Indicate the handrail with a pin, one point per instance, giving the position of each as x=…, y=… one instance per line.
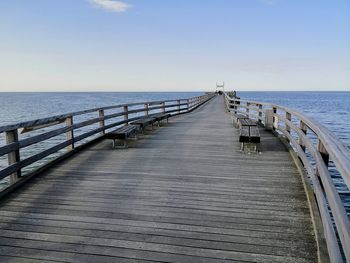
x=282, y=120
x=68, y=124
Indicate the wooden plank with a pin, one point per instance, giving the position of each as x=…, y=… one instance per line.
x=70, y=133
x=246, y=122
x=162, y=236
x=123, y=132
x=254, y=134
x=13, y=157
x=237, y=117
x=8, y=148
x=101, y=115
x=244, y=134
x=186, y=248
x=13, y=253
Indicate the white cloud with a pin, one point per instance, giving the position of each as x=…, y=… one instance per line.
x=112, y=5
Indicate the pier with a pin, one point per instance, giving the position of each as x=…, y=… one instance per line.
x=181, y=192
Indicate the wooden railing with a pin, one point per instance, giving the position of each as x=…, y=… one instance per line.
x=95, y=126
x=315, y=152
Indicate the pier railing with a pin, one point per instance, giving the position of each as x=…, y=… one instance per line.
x=302, y=132
x=70, y=132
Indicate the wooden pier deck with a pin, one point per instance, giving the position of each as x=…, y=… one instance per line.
x=182, y=193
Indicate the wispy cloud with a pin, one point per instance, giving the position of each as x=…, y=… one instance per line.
x=111, y=5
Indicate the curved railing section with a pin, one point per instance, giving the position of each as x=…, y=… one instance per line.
x=316, y=158
x=65, y=132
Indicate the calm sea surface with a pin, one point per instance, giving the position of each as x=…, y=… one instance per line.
x=329, y=108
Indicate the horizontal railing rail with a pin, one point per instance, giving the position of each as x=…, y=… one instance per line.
x=18, y=136
x=316, y=158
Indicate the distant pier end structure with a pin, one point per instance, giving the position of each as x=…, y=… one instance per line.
x=220, y=88
x=175, y=185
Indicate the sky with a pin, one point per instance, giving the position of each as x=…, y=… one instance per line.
x=174, y=45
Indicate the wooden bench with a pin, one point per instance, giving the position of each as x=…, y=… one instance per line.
x=237, y=117
x=144, y=122
x=123, y=133
x=161, y=116
x=249, y=134
x=246, y=122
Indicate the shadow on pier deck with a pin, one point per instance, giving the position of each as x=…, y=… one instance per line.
x=182, y=193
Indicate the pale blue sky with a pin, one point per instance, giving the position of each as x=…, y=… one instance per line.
x=174, y=45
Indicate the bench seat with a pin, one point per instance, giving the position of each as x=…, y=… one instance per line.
x=144, y=122
x=254, y=134
x=246, y=122
x=123, y=133
x=244, y=134
x=161, y=116
x=249, y=134
x=237, y=117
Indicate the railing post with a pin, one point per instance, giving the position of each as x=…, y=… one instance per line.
x=235, y=103
x=13, y=157
x=269, y=119
x=275, y=119
x=146, y=109
x=163, y=107
x=323, y=152
x=101, y=115
x=303, y=127
x=70, y=133
x=247, y=109
x=178, y=106
x=288, y=117
x=260, y=113
x=126, y=114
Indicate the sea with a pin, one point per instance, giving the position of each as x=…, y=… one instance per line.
x=332, y=109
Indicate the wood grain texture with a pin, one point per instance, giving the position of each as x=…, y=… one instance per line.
x=182, y=193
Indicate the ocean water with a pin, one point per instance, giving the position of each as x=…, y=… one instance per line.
x=329, y=108
x=17, y=107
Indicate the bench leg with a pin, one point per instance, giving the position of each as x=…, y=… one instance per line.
x=258, y=147
x=124, y=146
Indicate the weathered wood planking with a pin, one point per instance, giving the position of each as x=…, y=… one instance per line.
x=182, y=193
x=335, y=220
